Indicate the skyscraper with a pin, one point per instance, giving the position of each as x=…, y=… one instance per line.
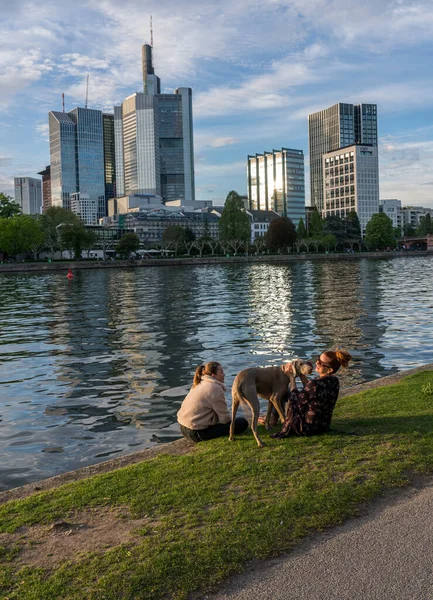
x=46, y=188
x=77, y=157
x=109, y=156
x=333, y=128
x=276, y=182
x=28, y=194
x=154, y=140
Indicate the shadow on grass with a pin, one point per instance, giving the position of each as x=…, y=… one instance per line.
x=367, y=426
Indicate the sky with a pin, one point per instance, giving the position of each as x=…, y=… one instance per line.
x=257, y=69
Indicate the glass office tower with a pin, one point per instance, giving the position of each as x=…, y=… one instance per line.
x=276, y=181
x=77, y=157
x=109, y=156
x=336, y=127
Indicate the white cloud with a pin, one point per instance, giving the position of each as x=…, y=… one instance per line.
x=43, y=130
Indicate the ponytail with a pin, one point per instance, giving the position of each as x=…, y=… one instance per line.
x=209, y=368
x=197, y=375
x=343, y=357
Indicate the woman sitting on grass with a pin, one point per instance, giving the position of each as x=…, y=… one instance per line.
x=204, y=414
x=309, y=411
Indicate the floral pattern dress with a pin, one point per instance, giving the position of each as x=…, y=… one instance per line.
x=310, y=410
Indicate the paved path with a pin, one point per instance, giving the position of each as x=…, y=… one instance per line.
x=384, y=555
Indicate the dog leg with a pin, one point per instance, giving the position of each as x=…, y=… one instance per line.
x=235, y=406
x=250, y=397
x=276, y=401
x=268, y=415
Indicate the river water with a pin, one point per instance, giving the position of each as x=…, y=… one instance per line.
x=89, y=367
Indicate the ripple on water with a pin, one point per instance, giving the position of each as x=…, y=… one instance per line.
x=99, y=366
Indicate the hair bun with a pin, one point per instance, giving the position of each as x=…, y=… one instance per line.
x=343, y=357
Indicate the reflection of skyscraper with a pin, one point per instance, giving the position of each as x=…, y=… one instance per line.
x=333, y=128
x=154, y=140
x=77, y=157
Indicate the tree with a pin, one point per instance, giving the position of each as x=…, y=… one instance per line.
x=353, y=227
x=425, y=226
x=128, y=244
x=20, y=234
x=51, y=221
x=281, y=234
x=335, y=226
x=234, y=223
x=409, y=230
x=301, y=230
x=73, y=237
x=89, y=240
x=397, y=232
x=379, y=233
x=8, y=207
x=329, y=241
x=189, y=235
x=174, y=236
x=315, y=229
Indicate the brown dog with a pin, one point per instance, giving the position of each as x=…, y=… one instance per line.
x=270, y=383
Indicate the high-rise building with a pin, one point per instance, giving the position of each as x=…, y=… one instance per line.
x=77, y=157
x=46, y=188
x=336, y=127
x=351, y=183
x=276, y=182
x=154, y=140
x=28, y=194
x=109, y=156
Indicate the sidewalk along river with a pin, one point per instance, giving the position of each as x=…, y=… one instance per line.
x=97, y=366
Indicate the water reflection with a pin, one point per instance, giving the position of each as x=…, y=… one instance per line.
x=88, y=367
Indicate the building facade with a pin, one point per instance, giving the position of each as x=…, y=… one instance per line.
x=412, y=215
x=392, y=209
x=351, y=183
x=28, y=194
x=276, y=182
x=85, y=207
x=337, y=127
x=109, y=156
x=46, y=188
x=77, y=157
x=154, y=140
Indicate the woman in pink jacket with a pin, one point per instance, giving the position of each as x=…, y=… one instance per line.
x=204, y=414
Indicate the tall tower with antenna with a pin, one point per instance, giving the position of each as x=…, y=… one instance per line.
x=151, y=83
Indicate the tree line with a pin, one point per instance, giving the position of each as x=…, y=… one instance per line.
x=59, y=229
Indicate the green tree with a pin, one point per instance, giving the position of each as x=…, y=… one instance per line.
x=8, y=207
x=234, y=223
x=89, y=240
x=52, y=220
x=397, y=232
x=301, y=230
x=73, y=236
x=329, y=241
x=425, y=226
x=379, y=233
x=128, y=244
x=335, y=226
x=189, y=235
x=20, y=234
x=409, y=230
x=174, y=236
x=353, y=227
x=315, y=229
x=281, y=234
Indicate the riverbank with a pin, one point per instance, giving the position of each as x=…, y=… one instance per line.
x=173, y=525
x=206, y=260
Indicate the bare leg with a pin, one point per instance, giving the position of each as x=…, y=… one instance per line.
x=235, y=406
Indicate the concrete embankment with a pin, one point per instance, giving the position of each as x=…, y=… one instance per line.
x=207, y=260
x=175, y=448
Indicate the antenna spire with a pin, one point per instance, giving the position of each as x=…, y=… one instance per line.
x=87, y=91
x=151, y=32
x=63, y=102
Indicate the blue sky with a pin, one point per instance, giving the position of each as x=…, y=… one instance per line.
x=257, y=69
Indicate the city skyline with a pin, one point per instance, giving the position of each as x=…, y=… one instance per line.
x=257, y=71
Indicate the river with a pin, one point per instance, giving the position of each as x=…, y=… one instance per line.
x=89, y=367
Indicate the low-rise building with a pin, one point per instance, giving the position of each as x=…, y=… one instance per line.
x=413, y=214
x=392, y=209
x=85, y=207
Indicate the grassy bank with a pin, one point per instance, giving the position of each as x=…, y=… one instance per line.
x=173, y=525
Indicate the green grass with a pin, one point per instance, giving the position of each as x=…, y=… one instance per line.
x=210, y=512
